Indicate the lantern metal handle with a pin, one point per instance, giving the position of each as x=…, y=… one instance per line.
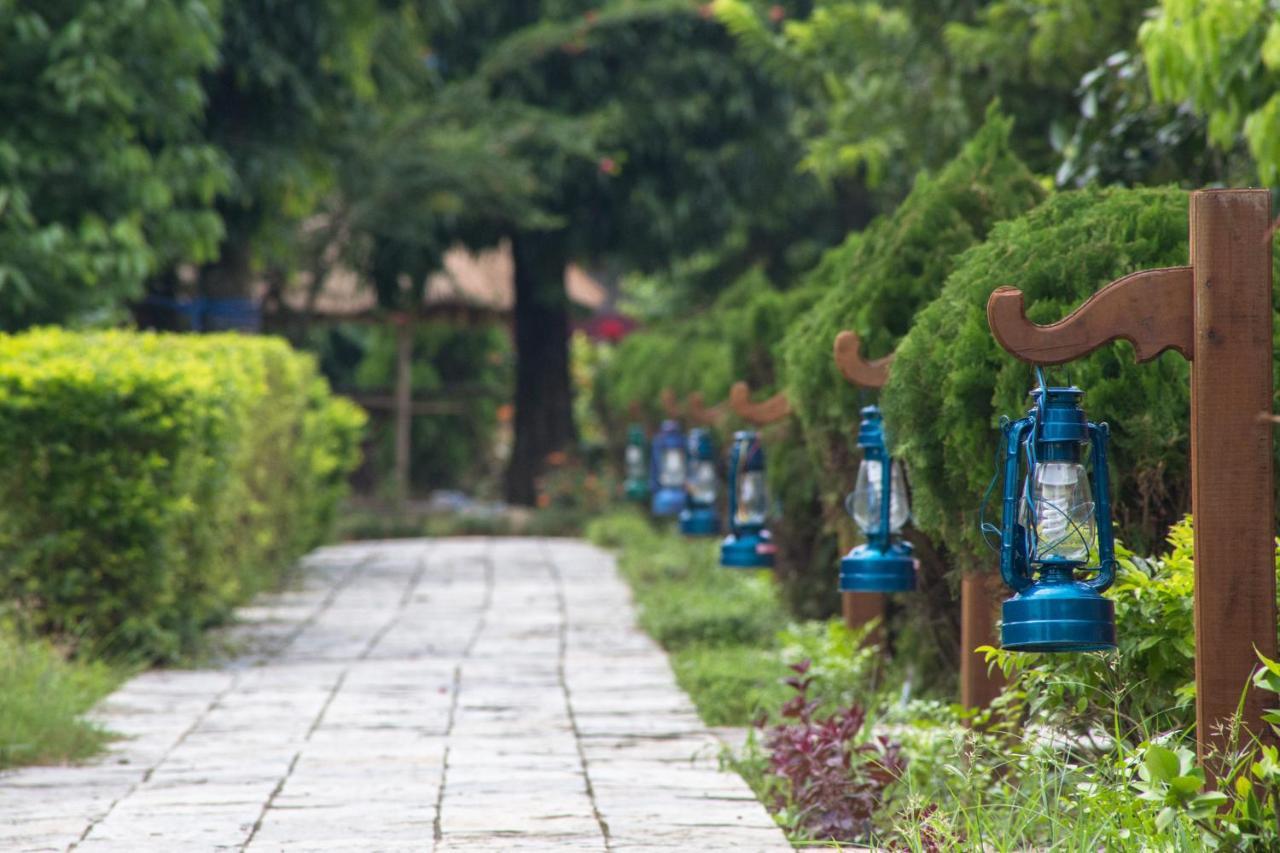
x=1099, y=435
x=735, y=459
x=1013, y=549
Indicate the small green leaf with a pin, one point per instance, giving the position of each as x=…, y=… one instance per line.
x=1161, y=763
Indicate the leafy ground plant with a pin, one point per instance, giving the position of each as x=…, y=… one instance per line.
x=826, y=776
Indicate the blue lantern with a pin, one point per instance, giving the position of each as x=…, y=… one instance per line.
x=636, y=487
x=1056, y=547
x=748, y=545
x=878, y=504
x=698, y=518
x=667, y=465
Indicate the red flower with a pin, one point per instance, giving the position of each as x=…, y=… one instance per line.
x=777, y=13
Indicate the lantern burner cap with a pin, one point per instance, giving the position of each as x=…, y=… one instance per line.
x=869, y=568
x=699, y=521
x=1063, y=616
x=748, y=550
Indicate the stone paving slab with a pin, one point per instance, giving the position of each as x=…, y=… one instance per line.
x=441, y=695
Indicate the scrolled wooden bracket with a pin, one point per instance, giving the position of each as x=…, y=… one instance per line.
x=768, y=411
x=670, y=405
x=847, y=352
x=703, y=415
x=1151, y=309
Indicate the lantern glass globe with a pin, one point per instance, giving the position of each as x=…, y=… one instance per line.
x=635, y=462
x=702, y=482
x=671, y=471
x=863, y=503
x=1059, y=494
x=753, y=499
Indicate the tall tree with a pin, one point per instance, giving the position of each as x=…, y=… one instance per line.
x=290, y=76
x=685, y=151
x=105, y=177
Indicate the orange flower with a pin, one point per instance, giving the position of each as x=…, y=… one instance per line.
x=556, y=458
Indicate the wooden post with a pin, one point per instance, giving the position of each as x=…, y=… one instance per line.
x=1217, y=313
x=1231, y=463
x=403, y=405
x=979, y=598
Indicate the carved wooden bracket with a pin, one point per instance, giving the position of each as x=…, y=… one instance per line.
x=1217, y=313
x=774, y=409
x=1151, y=309
x=703, y=415
x=670, y=405
x=857, y=370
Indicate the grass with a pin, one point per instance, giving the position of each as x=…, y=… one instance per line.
x=43, y=697
x=720, y=626
x=991, y=786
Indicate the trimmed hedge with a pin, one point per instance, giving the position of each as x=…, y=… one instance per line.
x=150, y=482
x=951, y=381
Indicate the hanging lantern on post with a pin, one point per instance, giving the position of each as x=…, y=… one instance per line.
x=636, y=486
x=748, y=545
x=1053, y=531
x=698, y=518
x=878, y=504
x=667, y=465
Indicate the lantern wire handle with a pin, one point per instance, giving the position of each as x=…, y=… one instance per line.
x=986, y=527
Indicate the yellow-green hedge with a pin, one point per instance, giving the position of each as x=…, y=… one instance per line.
x=149, y=482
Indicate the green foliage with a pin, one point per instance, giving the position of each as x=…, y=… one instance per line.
x=1223, y=58
x=875, y=96
x=151, y=482
x=104, y=176
x=42, y=698
x=1032, y=54
x=951, y=381
x=289, y=79
x=877, y=282
x=1149, y=685
x=472, y=367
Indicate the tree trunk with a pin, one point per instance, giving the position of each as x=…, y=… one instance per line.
x=544, y=399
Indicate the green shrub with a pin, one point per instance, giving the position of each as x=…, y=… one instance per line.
x=150, y=482
x=1149, y=684
x=876, y=282
x=951, y=381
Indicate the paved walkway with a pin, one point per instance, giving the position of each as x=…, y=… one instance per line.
x=461, y=694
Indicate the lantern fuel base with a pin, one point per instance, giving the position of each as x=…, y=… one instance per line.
x=699, y=518
x=667, y=464
x=748, y=545
x=636, y=486
x=1051, y=528
x=878, y=503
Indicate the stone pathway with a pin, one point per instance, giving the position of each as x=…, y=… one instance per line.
x=427, y=695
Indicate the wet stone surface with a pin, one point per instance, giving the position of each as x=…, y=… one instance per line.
x=459, y=694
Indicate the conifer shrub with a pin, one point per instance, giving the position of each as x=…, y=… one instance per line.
x=952, y=382
x=876, y=282
x=148, y=482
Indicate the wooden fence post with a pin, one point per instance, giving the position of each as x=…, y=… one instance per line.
x=403, y=405
x=1217, y=313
